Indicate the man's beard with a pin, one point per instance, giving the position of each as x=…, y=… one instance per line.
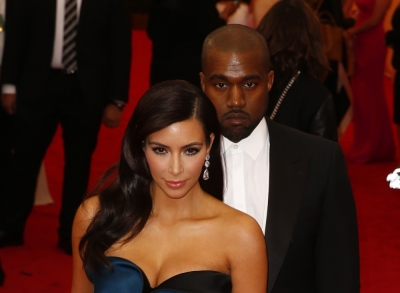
x=239, y=132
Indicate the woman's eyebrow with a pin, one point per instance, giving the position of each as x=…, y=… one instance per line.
x=185, y=146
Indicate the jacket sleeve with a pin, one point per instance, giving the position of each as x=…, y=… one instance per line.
x=324, y=121
x=337, y=247
x=15, y=41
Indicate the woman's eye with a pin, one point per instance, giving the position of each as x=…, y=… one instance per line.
x=159, y=151
x=191, y=151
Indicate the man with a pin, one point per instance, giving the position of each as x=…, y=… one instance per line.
x=295, y=185
x=65, y=62
x=5, y=120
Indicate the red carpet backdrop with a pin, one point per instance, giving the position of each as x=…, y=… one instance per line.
x=39, y=267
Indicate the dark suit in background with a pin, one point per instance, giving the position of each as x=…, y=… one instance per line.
x=48, y=97
x=6, y=123
x=177, y=29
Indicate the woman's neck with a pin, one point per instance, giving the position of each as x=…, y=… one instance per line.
x=174, y=209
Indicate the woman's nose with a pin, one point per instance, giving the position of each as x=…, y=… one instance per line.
x=175, y=166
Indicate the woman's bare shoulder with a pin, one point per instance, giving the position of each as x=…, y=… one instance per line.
x=243, y=225
x=238, y=224
x=88, y=209
x=245, y=249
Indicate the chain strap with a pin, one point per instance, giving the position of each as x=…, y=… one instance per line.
x=288, y=86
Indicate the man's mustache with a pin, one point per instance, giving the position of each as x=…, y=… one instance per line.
x=235, y=112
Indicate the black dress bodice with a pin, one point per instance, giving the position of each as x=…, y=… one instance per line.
x=127, y=277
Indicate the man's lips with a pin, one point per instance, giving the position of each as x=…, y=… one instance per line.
x=175, y=184
x=236, y=118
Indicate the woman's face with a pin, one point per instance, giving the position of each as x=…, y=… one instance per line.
x=176, y=155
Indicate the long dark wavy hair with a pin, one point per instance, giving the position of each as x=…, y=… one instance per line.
x=126, y=203
x=293, y=34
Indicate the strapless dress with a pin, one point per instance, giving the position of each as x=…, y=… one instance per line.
x=129, y=278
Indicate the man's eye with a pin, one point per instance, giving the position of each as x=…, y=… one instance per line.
x=191, y=151
x=159, y=151
x=220, y=85
x=250, y=84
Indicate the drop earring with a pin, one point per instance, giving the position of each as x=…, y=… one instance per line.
x=206, y=174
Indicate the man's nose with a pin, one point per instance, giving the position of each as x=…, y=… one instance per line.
x=175, y=166
x=236, y=98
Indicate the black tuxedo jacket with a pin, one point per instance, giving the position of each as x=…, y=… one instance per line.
x=103, y=49
x=311, y=231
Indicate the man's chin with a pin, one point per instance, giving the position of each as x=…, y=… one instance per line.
x=236, y=134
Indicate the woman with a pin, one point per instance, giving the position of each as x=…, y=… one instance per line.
x=373, y=138
x=298, y=99
x=161, y=224
x=393, y=41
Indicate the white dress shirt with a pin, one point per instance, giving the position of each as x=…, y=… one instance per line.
x=247, y=173
x=56, y=61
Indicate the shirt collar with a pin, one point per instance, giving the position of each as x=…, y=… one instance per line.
x=254, y=143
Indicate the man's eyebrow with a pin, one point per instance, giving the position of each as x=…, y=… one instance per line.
x=250, y=77
x=218, y=76
x=225, y=78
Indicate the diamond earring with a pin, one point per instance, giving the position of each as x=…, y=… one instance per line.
x=206, y=174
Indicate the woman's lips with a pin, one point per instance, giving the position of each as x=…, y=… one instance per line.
x=175, y=184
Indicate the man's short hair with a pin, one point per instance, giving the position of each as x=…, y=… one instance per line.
x=236, y=38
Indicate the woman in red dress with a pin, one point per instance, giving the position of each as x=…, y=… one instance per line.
x=373, y=137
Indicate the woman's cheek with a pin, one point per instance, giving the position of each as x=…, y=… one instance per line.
x=197, y=166
x=155, y=163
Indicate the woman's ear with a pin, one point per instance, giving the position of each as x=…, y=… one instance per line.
x=212, y=136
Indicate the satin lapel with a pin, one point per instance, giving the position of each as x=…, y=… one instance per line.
x=85, y=11
x=287, y=185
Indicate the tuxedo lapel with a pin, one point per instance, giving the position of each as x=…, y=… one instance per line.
x=85, y=8
x=287, y=184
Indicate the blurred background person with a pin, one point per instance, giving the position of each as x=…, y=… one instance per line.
x=393, y=41
x=241, y=14
x=2, y=23
x=298, y=98
x=52, y=75
x=259, y=9
x=5, y=121
x=373, y=137
x=177, y=29
x=337, y=81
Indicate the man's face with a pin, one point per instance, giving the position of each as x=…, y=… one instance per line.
x=238, y=86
